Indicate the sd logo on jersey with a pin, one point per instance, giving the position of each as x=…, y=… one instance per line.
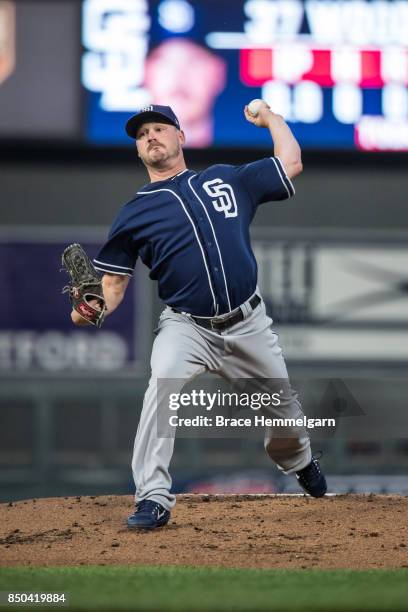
x=225, y=198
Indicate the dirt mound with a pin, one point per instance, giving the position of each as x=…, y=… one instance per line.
x=347, y=531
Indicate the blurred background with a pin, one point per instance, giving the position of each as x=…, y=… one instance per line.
x=333, y=261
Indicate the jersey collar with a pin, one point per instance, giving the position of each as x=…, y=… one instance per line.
x=171, y=178
x=179, y=174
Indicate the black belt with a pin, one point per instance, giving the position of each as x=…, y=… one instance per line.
x=218, y=325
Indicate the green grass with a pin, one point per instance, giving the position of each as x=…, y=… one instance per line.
x=196, y=589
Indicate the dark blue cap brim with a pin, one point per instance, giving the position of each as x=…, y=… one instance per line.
x=136, y=121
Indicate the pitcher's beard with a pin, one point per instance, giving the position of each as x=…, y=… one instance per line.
x=162, y=160
x=158, y=159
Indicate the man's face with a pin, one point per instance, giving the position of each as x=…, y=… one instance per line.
x=182, y=74
x=159, y=144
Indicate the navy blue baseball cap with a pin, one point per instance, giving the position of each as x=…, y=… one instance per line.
x=154, y=112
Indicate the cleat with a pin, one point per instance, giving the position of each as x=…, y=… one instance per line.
x=312, y=479
x=148, y=515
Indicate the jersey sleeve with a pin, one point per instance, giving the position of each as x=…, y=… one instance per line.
x=266, y=180
x=118, y=255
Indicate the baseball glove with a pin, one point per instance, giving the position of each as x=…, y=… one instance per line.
x=85, y=286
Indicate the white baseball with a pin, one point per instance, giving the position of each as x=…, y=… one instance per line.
x=255, y=106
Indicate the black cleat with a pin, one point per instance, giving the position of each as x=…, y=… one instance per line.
x=312, y=479
x=148, y=515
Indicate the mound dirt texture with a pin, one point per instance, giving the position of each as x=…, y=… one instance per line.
x=347, y=531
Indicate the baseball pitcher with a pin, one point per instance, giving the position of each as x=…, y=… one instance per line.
x=192, y=231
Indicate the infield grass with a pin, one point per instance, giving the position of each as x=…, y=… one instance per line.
x=186, y=589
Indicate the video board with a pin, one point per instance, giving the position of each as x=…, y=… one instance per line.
x=336, y=70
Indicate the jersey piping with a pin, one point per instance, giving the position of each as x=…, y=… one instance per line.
x=196, y=235
x=179, y=174
x=104, y=263
x=112, y=272
x=282, y=174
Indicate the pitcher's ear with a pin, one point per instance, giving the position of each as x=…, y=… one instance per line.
x=182, y=137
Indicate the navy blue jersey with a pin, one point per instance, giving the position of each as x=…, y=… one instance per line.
x=192, y=232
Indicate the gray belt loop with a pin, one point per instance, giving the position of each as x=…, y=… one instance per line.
x=246, y=309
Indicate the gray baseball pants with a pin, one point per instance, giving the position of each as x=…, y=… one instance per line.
x=181, y=351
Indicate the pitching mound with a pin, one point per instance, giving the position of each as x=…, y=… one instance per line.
x=347, y=531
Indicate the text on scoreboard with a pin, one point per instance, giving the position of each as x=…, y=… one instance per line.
x=336, y=70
